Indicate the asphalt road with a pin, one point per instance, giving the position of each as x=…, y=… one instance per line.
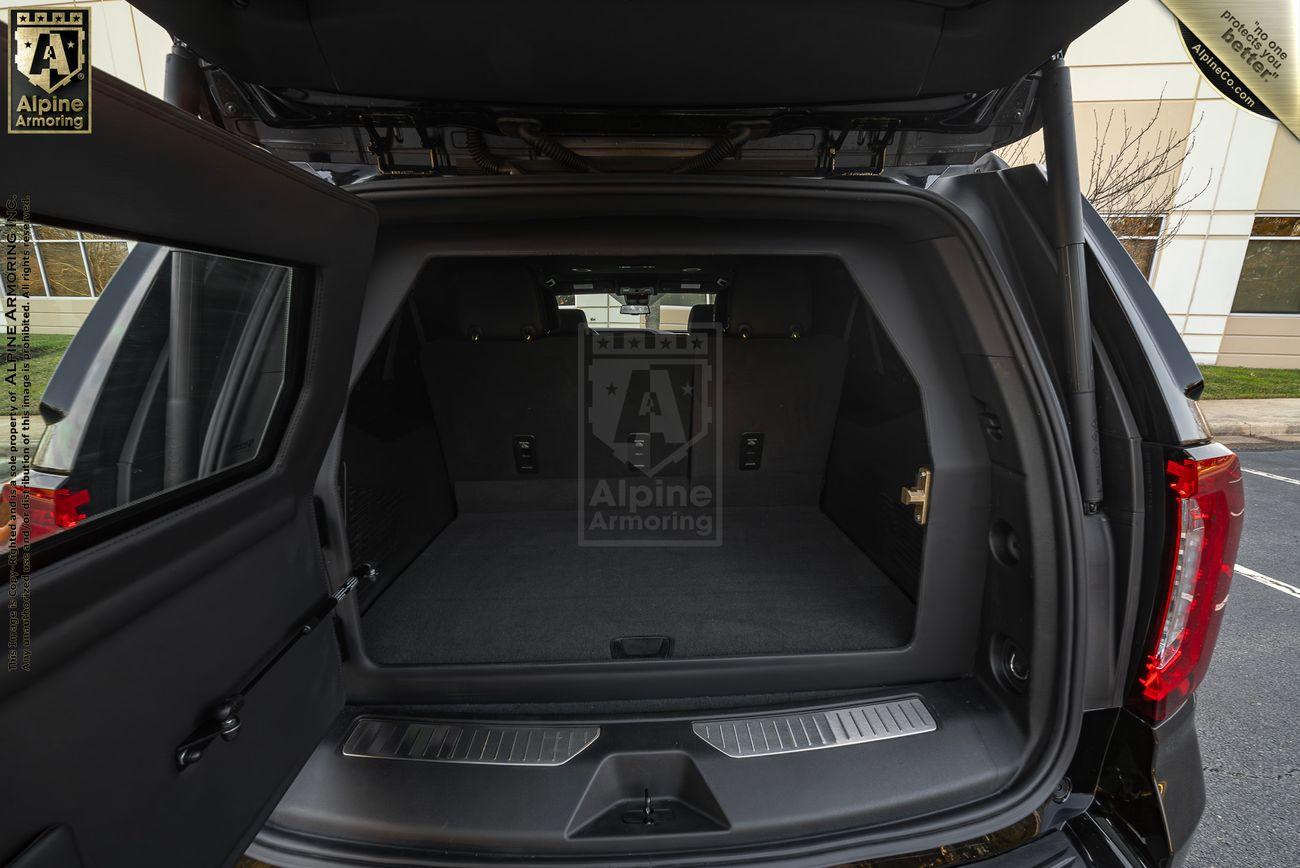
x=1248, y=708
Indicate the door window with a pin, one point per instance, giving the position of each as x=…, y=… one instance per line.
x=175, y=372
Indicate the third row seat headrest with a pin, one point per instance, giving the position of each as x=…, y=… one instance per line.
x=497, y=301
x=702, y=317
x=572, y=320
x=769, y=299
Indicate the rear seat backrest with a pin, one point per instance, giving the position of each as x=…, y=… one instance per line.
x=780, y=379
x=503, y=376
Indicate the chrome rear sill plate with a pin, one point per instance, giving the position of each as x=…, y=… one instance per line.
x=745, y=737
x=482, y=744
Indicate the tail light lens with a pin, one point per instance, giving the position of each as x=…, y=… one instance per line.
x=1207, y=512
x=39, y=512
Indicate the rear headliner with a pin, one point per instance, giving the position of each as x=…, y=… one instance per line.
x=630, y=53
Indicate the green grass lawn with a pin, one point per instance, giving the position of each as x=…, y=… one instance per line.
x=46, y=352
x=1226, y=382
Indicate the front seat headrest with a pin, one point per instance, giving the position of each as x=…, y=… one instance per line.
x=573, y=320
x=702, y=317
x=769, y=299
x=497, y=301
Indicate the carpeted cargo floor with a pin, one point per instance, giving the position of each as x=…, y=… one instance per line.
x=517, y=587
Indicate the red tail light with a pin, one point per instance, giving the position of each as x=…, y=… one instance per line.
x=1207, y=513
x=40, y=511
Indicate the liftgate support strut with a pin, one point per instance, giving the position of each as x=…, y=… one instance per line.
x=1067, y=207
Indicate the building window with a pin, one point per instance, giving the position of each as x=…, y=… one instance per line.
x=72, y=264
x=1270, y=276
x=1140, y=236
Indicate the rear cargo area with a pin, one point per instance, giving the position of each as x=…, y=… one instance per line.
x=686, y=609
x=791, y=434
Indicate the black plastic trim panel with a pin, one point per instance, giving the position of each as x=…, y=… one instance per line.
x=788, y=808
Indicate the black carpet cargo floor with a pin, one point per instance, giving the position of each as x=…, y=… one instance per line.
x=517, y=587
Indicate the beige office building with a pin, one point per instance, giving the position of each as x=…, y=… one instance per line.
x=1228, y=265
x=1225, y=264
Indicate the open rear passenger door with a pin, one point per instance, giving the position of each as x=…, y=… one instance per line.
x=172, y=683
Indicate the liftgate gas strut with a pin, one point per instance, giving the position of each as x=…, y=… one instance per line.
x=1067, y=207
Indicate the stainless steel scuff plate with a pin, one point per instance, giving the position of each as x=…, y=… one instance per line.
x=815, y=730
x=482, y=744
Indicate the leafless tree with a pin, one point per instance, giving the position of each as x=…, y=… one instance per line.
x=1135, y=177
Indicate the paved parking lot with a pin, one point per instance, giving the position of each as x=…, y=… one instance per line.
x=1248, y=709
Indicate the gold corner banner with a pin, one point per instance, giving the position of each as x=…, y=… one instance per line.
x=1247, y=50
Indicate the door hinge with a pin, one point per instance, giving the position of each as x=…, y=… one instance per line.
x=918, y=496
x=223, y=721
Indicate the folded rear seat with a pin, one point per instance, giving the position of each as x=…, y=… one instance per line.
x=505, y=392
x=776, y=404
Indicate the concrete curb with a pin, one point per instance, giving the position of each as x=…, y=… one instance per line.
x=1253, y=429
x=1252, y=417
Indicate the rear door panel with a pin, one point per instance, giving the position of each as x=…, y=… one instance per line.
x=141, y=624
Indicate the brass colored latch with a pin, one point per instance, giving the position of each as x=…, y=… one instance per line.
x=918, y=497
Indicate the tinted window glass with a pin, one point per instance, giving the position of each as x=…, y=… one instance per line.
x=668, y=310
x=1270, y=274
x=1140, y=236
x=177, y=378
